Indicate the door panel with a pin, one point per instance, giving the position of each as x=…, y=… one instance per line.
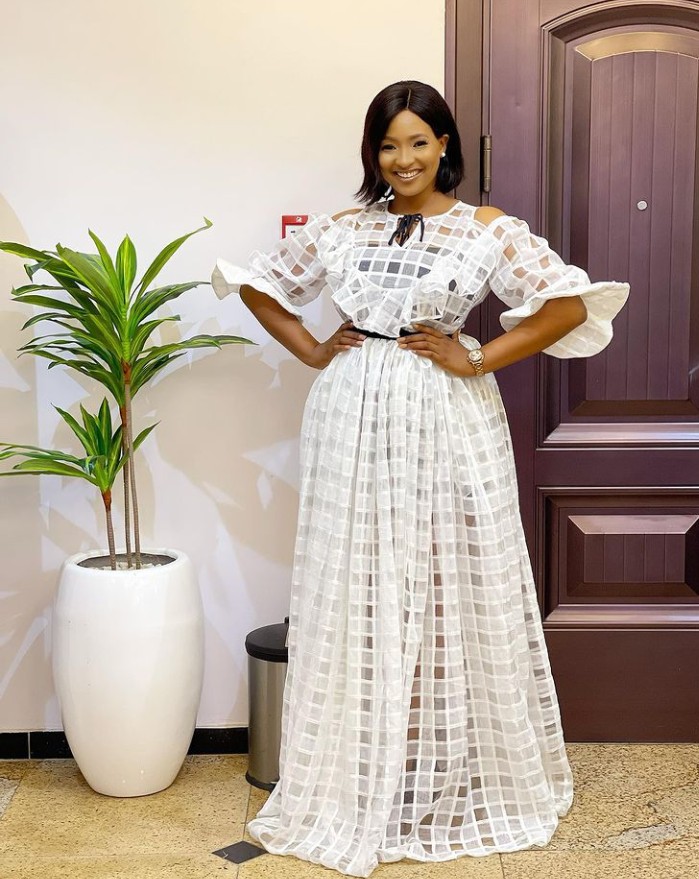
x=593, y=116
x=630, y=155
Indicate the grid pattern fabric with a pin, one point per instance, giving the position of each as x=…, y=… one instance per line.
x=420, y=717
x=435, y=280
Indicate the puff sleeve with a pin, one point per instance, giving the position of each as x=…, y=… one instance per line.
x=292, y=273
x=527, y=272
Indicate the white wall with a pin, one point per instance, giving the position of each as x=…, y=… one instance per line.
x=143, y=118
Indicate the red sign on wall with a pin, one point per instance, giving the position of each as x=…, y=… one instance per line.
x=291, y=223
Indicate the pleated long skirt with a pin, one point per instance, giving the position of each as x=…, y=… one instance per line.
x=420, y=717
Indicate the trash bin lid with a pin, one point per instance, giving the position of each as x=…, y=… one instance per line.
x=268, y=643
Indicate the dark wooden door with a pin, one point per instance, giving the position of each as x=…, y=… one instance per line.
x=592, y=110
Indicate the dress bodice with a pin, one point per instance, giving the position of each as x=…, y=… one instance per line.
x=436, y=277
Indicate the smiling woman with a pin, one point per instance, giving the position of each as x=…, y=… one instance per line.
x=411, y=145
x=420, y=717
x=410, y=157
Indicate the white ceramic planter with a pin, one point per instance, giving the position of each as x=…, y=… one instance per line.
x=128, y=663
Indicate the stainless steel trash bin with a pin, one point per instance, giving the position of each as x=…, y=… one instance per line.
x=267, y=664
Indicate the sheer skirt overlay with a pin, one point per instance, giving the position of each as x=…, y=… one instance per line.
x=420, y=717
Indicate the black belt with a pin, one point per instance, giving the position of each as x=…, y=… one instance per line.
x=403, y=332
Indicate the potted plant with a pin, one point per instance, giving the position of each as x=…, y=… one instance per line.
x=128, y=643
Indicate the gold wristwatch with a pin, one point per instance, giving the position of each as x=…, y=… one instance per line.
x=476, y=358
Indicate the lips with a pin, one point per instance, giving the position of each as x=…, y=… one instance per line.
x=411, y=175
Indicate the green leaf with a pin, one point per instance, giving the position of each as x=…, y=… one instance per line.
x=59, y=344
x=92, y=429
x=36, y=452
x=100, y=343
x=83, y=298
x=107, y=263
x=102, y=447
x=32, y=288
x=58, y=270
x=201, y=341
x=46, y=468
x=79, y=431
x=85, y=367
x=90, y=271
x=158, y=357
x=144, y=332
x=22, y=250
x=233, y=340
x=143, y=434
x=146, y=303
x=104, y=418
x=165, y=255
x=136, y=443
x=126, y=265
x=38, y=318
x=142, y=374
x=115, y=454
x=48, y=302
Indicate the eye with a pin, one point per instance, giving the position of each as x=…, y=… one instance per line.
x=387, y=146
x=421, y=143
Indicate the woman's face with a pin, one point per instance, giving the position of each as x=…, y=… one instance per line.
x=409, y=155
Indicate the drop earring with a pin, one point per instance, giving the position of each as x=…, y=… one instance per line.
x=388, y=191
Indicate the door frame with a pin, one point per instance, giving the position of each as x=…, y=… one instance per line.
x=465, y=23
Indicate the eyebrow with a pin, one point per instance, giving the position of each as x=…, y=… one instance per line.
x=412, y=136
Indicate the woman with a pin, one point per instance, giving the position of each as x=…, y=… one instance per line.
x=420, y=718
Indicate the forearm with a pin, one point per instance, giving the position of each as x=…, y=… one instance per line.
x=555, y=319
x=285, y=327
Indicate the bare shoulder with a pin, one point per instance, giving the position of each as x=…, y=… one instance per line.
x=346, y=213
x=487, y=213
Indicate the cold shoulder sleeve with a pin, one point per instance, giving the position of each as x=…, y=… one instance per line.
x=292, y=273
x=527, y=273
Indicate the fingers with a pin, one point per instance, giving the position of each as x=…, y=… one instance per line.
x=430, y=331
x=425, y=340
x=424, y=332
x=356, y=338
x=346, y=339
x=420, y=340
x=344, y=332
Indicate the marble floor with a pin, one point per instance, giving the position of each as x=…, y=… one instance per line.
x=635, y=815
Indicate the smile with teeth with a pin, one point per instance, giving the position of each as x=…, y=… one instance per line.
x=407, y=175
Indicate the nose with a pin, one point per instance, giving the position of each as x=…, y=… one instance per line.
x=404, y=159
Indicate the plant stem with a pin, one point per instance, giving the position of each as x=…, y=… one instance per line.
x=127, y=501
x=126, y=367
x=107, y=498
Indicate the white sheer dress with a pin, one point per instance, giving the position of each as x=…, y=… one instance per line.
x=420, y=717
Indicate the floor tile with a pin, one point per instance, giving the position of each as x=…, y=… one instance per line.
x=55, y=813
x=629, y=797
x=637, y=768
x=269, y=866
x=635, y=814
x=658, y=862
x=11, y=773
x=256, y=801
x=123, y=867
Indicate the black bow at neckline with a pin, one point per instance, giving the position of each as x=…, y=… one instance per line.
x=405, y=224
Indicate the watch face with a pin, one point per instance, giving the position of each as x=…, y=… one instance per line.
x=475, y=356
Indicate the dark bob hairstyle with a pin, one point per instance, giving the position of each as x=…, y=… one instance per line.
x=426, y=102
